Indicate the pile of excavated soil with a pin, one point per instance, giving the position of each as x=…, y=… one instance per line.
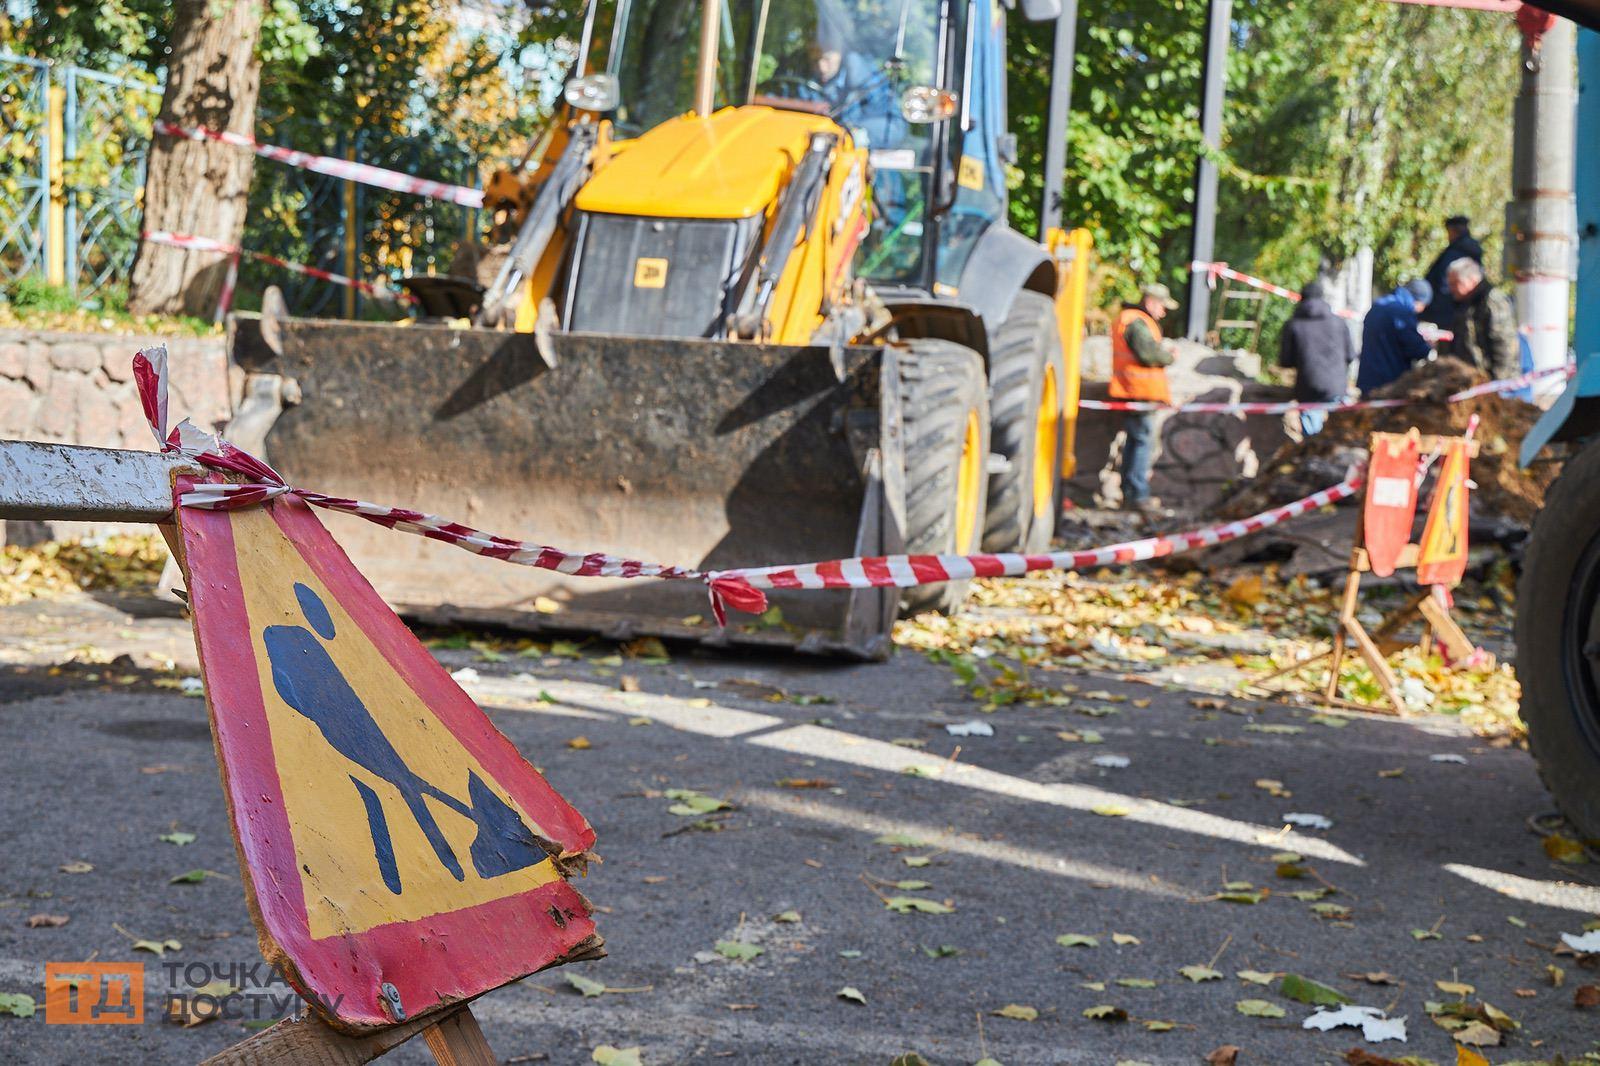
x=1504, y=490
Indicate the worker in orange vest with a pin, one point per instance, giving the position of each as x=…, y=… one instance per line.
x=1138, y=372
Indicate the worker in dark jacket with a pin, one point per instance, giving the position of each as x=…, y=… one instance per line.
x=1390, y=342
x=1316, y=345
x=1463, y=245
x=1486, y=323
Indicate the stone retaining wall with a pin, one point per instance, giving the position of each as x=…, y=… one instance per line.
x=77, y=388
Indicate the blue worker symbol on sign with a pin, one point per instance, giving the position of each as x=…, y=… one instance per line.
x=309, y=681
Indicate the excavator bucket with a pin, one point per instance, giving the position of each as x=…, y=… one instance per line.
x=703, y=454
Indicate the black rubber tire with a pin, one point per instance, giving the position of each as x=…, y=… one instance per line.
x=1027, y=344
x=940, y=383
x=1557, y=599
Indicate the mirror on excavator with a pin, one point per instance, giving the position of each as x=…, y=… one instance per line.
x=753, y=299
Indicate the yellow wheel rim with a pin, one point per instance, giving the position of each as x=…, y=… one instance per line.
x=969, y=484
x=1047, y=438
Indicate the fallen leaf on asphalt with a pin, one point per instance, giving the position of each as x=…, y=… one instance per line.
x=1358, y=1056
x=1109, y=811
x=849, y=953
x=1156, y=1025
x=1093, y=986
x=1465, y=1056
x=1332, y=911
x=198, y=1005
x=178, y=838
x=16, y=1004
x=910, y=1058
x=1241, y=896
x=628, y=683
x=1310, y=895
x=1524, y=993
x=1077, y=940
x=1105, y=1012
x=1374, y=1024
x=1332, y=721
x=1398, y=771
x=1124, y=938
x=1586, y=996
x=915, y=861
x=804, y=782
x=1016, y=1011
x=1306, y=990
x=643, y=648
x=654, y=879
x=1208, y=703
x=900, y=840
x=743, y=1006
x=1564, y=849
x=47, y=921
x=606, y=1055
x=1454, y=988
x=194, y=877
x=1200, y=973
x=1136, y=982
x=907, y=904
x=1374, y=977
x=1246, y=591
x=1257, y=977
x=852, y=994
x=76, y=867
x=157, y=947
x=974, y=728
x=579, y=744
x=943, y=951
x=1226, y=1055
x=1273, y=787
x=1258, y=1008
x=690, y=804
x=911, y=886
x=1518, y=922
x=738, y=950
x=1477, y=1034
x=590, y=988
x=1424, y=934
x=1555, y=975
x=1308, y=821
x=1275, y=728
x=787, y=916
x=641, y=721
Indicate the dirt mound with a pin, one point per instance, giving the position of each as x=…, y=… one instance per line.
x=1504, y=490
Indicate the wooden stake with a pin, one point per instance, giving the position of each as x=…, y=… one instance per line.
x=457, y=1041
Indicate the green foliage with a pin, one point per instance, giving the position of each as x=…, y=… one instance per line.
x=1346, y=125
x=31, y=293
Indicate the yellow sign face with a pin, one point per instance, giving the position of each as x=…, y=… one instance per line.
x=388, y=811
x=649, y=273
x=970, y=174
x=1442, y=559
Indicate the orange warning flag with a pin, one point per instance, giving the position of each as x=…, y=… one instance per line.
x=1443, y=559
x=1391, y=502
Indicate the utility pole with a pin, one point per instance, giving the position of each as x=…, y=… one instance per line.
x=1203, y=239
x=1539, y=220
x=1063, y=62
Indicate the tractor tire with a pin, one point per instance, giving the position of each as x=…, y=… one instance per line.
x=1026, y=377
x=944, y=404
x=1558, y=641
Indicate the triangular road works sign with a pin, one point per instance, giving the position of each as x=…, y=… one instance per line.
x=399, y=854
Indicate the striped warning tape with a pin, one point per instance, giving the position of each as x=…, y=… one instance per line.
x=740, y=588
x=348, y=169
x=193, y=243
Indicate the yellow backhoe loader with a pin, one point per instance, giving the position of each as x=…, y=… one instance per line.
x=755, y=302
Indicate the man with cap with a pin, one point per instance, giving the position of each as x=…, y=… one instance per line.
x=1390, y=342
x=1138, y=372
x=1441, y=311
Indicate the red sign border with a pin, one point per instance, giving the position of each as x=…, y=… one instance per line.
x=432, y=962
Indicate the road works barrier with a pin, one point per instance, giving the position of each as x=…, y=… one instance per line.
x=1504, y=385
x=348, y=169
x=192, y=243
x=740, y=588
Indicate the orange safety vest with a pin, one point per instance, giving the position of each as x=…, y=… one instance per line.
x=1131, y=379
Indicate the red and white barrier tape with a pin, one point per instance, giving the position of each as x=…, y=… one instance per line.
x=1285, y=406
x=193, y=243
x=740, y=588
x=347, y=169
x=1214, y=271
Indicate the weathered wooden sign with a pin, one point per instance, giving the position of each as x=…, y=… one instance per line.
x=1442, y=555
x=1391, y=498
x=399, y=854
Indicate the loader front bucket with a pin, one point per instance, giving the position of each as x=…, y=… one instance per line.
x=696, y=453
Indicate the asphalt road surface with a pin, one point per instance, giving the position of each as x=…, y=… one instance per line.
x=95, y=770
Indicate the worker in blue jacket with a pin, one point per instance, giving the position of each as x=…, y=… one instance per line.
x=1390, y=343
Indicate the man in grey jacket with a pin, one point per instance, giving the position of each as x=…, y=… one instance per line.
x=1316, y=345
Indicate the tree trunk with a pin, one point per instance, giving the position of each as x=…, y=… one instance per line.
x=199, y=187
